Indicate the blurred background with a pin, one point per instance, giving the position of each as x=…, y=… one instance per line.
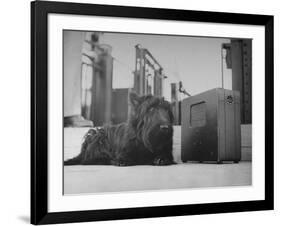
x=101, y=68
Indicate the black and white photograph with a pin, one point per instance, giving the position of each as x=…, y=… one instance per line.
x=150, y=112
x=140, y=112
x=132, y=112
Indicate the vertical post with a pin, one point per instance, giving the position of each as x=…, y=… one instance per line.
x=143, y=79
x=108, y=87
x=237, y=71
x=137, y=71
x=103, y=91
x=175, y=102
x=241, y=55
x=247, y=79
x=158, y=80
x=140, y=79
x=222, y=75
x=155, y=83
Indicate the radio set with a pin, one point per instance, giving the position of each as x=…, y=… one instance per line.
x=211, y=127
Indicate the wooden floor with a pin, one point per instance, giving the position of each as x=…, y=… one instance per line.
x=91, y=179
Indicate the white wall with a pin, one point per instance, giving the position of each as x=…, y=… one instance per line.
x=14, y=114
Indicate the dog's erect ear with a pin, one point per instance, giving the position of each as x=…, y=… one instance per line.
x=134, y=99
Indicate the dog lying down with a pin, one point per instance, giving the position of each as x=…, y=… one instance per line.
x=145, y=139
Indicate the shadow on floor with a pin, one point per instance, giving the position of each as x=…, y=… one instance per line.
x=25, y=219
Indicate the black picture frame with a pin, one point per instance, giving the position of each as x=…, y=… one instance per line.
x=39, y=112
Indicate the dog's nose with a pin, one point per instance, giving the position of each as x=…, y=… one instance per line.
x=164, y=127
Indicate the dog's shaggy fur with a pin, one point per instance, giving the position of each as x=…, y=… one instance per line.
x=147, y=137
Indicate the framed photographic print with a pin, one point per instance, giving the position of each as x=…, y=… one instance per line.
x=144, y=112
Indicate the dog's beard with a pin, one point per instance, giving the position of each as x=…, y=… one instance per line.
x=154, y=140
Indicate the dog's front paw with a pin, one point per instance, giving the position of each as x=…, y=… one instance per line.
x=163, y=161
x=121, y=163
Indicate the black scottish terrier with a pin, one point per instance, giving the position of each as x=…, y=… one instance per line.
x=147, y=137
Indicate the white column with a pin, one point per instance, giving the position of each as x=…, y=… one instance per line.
x=72, y=58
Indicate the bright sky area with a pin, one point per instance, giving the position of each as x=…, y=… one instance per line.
x=196, y=61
